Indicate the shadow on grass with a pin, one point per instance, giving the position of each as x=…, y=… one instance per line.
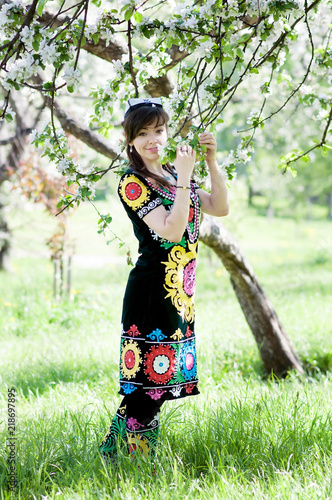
x=38, y=379
x=255, y=436
x=317, y=363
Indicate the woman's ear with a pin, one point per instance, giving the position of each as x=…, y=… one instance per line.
x=128, y=143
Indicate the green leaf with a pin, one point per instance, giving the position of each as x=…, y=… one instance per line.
x=128, y=14
x=306, y=158
x=95, y=38
x=239, y=53
x=8, y=117
x=172, y=155
x=70, y=89
x=40, y=7
x=138, y=17
x=35, y=45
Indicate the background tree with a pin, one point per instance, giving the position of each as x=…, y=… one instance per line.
x=202, y=56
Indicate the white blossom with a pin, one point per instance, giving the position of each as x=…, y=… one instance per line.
x=27, y=35
x=184, y=8
x=72, y=77
x=204, y=48
x=118, y=146
x=161, y=150
x=11, y=113
x=33, y=136
x=4, y=19
x=63, y=165
x=47, y=51
x=322, y=115
x=254, y=114
x=243, y=155
x=20, y=70
x=205, y=10
x=118, y=67
x=305, y=90
x=108, y=35
x=190, y=22
x=229, y=160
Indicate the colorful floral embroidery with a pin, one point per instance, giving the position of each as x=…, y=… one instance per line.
x=180, y=280
x=191, y=214
x=189, y=333
x=156, y=393
x=189, y=388
x=188, y=364
x=128, y=388
x=157, y=335
x=158, y=354
x=176, y=391
x=155, y=422
x=194, y=210
x=160, y=364
x=137, y=442
x=133, y=331
x=177, y=335
x=130, y=359
x=133, y=191
x=133, y=424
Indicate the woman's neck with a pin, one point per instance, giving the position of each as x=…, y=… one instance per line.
x=155, y=168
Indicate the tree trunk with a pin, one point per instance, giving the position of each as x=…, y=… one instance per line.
x=275, y=347
x=250, y=195
x=329, y=216
x=5, y=238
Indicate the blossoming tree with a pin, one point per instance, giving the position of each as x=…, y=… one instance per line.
x=201, y=56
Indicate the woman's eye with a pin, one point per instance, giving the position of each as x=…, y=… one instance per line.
x=160, y=131
x=142, y=133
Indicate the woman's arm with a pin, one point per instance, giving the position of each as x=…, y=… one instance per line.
x=214, y=203
x=171, y=225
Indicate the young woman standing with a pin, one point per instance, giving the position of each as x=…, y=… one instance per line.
x=158, y=358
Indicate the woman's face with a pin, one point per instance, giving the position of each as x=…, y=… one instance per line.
x=147, y=141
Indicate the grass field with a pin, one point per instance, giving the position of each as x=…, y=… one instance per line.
x=244, y=436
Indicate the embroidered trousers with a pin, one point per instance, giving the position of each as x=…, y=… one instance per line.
x=135, y=425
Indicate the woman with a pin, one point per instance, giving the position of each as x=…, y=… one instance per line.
x=158, y=352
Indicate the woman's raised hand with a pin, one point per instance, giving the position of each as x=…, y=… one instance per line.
x=184, y=161
x=207, y=139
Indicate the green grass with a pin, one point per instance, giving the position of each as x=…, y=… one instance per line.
x=244, y=436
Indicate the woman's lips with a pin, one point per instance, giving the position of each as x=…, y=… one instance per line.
x=153, y=150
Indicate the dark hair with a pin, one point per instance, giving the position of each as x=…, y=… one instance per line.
x=132, y=125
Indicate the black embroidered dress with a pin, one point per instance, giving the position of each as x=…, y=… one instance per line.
x=158, y=349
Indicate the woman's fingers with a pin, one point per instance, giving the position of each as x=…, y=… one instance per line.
x=186, y=151
x=208, y=140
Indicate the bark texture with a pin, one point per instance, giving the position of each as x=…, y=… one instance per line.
x=84, y=134
x=5, y=236
x=275, y=347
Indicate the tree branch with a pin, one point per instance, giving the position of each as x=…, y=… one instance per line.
x=71, y=126
x=26, y=22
